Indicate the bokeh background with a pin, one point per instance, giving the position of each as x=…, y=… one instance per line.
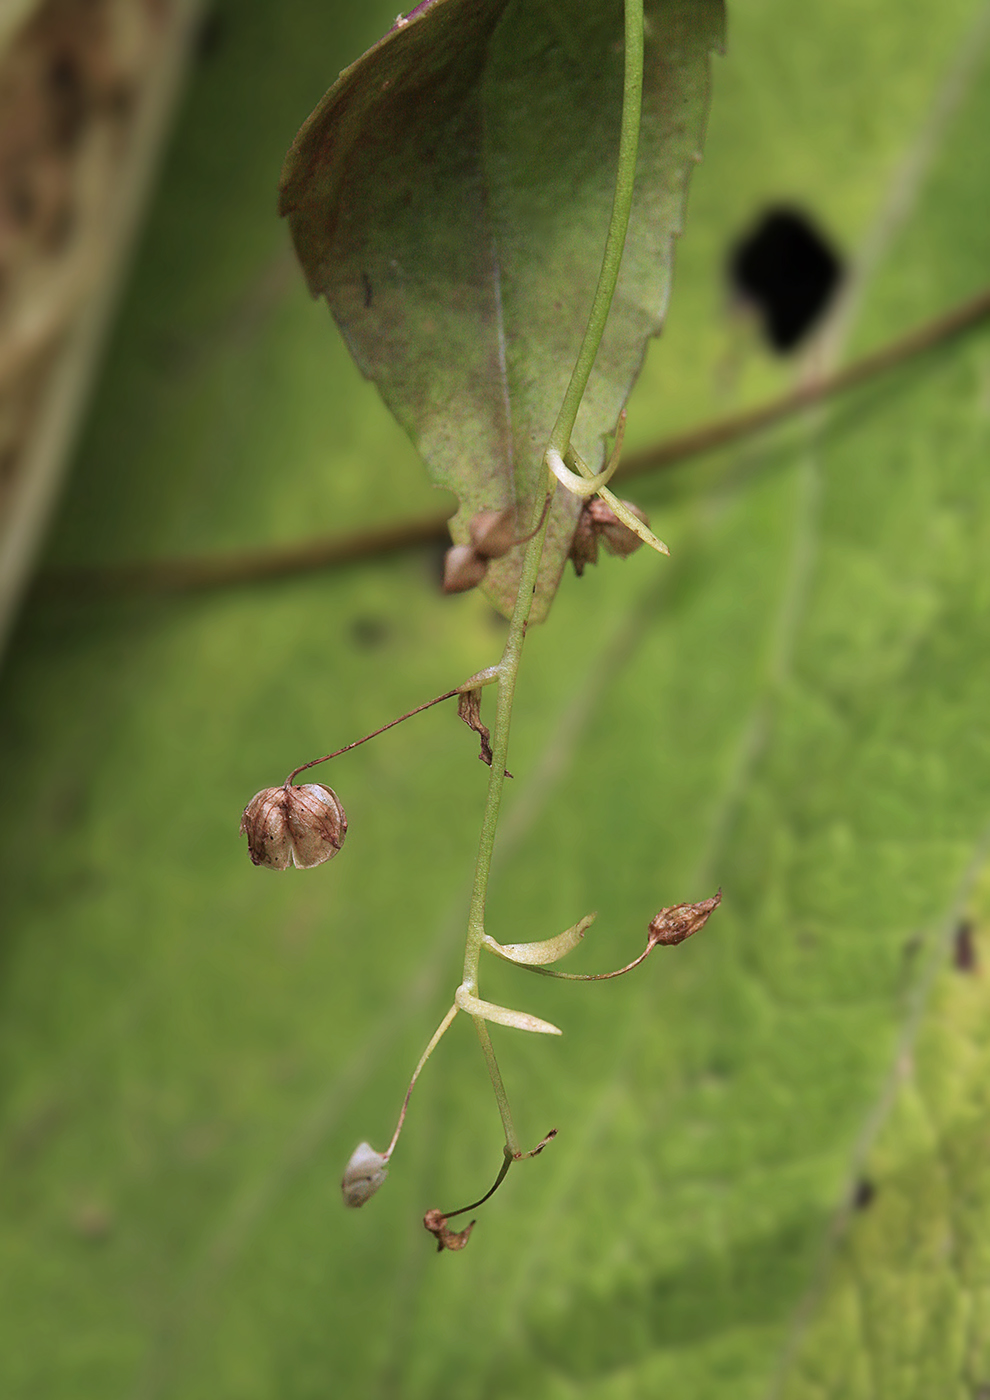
x=771, y=1177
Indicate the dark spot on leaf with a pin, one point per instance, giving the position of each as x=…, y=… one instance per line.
x=366, y=284
x=20, y=200
x=92, y=1221
x=964, y=948
x=69, y=100
x=211, y=35
x=788, y=271
x=369, y=632
x=912, y=947
x=863, y=1193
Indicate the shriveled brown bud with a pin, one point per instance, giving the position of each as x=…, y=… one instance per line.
x=598, y=523
x=305, y=824
x=614, y=535
x=678, y=921
x=493, y=532
x=469, y=710
x=584, y=544
x=463, y=568
x=436, y=1222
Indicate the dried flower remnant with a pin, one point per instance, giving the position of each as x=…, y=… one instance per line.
x=436, y=1222
x=364, y=1174
x=678, y=921
x=463, y=569
x=469, y=710
x=599, y=524
x=304, y=824
x=493, y=532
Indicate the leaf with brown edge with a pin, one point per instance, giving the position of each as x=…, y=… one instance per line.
x=455, y=224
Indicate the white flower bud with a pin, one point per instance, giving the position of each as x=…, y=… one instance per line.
x=365, y=1172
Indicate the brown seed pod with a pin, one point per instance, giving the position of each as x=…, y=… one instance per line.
x=305, y=824
x=614, y=535
x=463, y=568
x=493, y=532
x=678, y=921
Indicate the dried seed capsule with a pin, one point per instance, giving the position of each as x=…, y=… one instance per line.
x=363, y=1175
x=678, y=921
x=305, y=824
x=615, y=536
x=463, y=568
x=493, y=532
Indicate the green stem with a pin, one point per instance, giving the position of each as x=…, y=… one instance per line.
x=512, y=1148
x=560, y=443
x=434, y=1042
x=632, y=103
x=508, y=673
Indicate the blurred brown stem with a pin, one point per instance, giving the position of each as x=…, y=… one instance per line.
x=251, y=566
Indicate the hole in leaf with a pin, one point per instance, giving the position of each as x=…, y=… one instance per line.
x=785, y=268
x=210, y=37
x=369, y=632
x=964, y=948
x=863, y=1193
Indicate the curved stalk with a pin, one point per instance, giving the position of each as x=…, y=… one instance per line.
x=615, y=242
x=559, y=445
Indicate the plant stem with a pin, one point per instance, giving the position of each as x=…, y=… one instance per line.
x=508, y=673
x=435, y=1041
x=512, y=1148
x=87, y=582
x=437, y=699
x=507, y=1160
x=589, y=976
x=632, y=103
x=559, y=442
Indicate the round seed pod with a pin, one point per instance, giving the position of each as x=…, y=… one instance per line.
x=304, y=824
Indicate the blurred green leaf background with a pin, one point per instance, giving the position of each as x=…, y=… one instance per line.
x=794, y=708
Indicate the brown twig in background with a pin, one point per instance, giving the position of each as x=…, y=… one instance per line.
x=250, y=566
x=966, y=316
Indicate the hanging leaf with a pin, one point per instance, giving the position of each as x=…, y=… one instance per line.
x=450, y=198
